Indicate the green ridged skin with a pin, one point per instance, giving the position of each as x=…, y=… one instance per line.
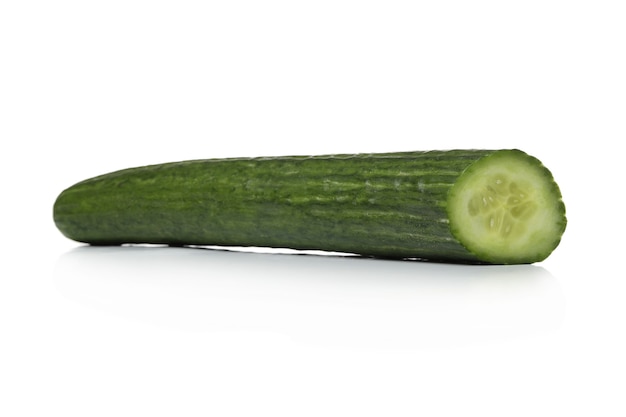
x=393, y=205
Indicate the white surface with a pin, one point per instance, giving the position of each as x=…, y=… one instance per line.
x=91, y=87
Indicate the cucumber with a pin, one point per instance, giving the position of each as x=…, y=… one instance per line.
x=461, y=206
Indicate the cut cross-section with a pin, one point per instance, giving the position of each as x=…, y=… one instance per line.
x=506, y=208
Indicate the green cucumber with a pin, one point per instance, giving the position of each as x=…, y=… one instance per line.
x=466, y=206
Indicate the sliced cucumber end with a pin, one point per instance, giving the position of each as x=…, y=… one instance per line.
x=506, y=208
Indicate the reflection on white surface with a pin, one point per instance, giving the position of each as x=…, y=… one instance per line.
x=320, y=300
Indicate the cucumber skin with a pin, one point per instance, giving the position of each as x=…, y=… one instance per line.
x=381, y=205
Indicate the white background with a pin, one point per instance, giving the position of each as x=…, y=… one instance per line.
x=88, y=87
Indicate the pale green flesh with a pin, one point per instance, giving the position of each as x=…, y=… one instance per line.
x=506, y=208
